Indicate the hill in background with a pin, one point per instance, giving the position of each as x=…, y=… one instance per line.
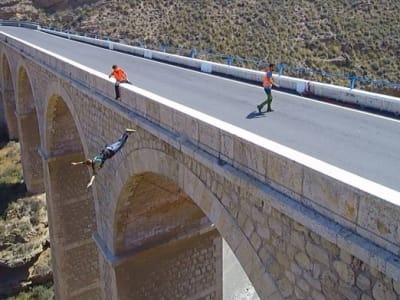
x=337, y=36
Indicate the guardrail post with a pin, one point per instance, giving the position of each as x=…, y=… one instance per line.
x=229, y=60
x=353, y=79
x=164, y=48
x=193, y=53
x=280, y=69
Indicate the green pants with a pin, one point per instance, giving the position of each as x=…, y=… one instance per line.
x=268, y=100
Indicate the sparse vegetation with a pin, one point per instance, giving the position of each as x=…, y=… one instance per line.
x=24, y=240
x=338, y=36
x=11, y=181
x=39, y=292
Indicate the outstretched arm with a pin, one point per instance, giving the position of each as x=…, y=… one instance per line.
x=91, y=181
x=78, y=163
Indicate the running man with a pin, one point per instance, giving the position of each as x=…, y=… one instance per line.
x=97, y=162
x=120, y=77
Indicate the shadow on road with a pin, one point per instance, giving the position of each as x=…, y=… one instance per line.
x=255, y=114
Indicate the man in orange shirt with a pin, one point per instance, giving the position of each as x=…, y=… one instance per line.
x=267, y=84
x=120, y=77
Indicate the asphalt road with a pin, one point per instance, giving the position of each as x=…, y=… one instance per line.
x=362, y=143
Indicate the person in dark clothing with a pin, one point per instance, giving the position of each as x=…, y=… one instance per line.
x=97, y=162
x=120, y=77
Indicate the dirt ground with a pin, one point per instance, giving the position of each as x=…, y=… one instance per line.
x=22, y=216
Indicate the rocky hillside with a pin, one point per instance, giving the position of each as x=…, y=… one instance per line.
x=24, y=234
x=339, y=36
x=24, y=245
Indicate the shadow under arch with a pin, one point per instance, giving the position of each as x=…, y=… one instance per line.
x=136, y=167
x=71, y=207
x=29, y=134
x=165, y=238
x=8, y=98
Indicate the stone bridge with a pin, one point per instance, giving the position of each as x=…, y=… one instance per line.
x=152, y=225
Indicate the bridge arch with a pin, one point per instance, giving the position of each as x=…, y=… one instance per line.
x=140, y=172
x=29, y=134
x=71, y=208
x=8, y=98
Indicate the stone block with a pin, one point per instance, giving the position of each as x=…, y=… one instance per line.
x=363, y=282
x=285, y=172
x=346, y=274
x=275, y=225
x=304, y=262
x=248, y=227
x=328, y=192
x=349, y=292
x=290, y=276
x=317, y=296
x=153, y=111
x=295, y=268
x=250, y=158
x=317, y=253
x=285, y=287
x=315, y=283
x=365, y=297
x=297, y=239
x=255, y=241
x=380, y=217
x=382, y=292
x=167, y=117
x=227, y=149
x=209, y=138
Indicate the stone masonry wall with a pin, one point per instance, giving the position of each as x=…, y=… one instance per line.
x=306, y=266
x=183, y=269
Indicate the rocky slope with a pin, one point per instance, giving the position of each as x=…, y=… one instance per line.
x=339, y=36
x=24, y=245
x=24, y=234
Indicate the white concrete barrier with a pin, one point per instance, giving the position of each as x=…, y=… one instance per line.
x=361, y=98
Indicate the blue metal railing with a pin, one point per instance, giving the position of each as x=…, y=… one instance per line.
x=352, y=79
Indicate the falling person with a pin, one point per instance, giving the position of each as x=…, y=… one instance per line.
x=97, y=162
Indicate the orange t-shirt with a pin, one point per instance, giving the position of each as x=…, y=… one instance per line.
x=268, y=79
x=119, y=74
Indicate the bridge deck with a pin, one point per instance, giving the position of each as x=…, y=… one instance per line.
x=362, y=143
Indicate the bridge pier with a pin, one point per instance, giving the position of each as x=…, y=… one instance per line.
x=71, y=222
x=188, y=267
x=30, y=144
x=9, y=112
x=3, y=121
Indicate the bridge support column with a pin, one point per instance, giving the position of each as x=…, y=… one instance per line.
x=188, y=267
x=29, y=137
x=9, y=111
x=72, y=221
x=3, y=121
